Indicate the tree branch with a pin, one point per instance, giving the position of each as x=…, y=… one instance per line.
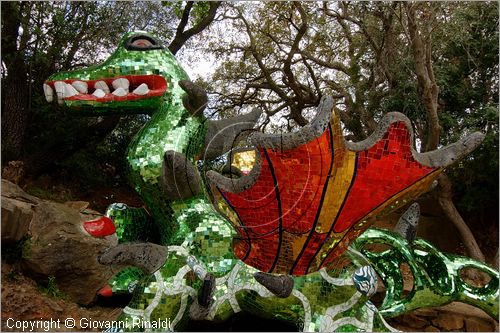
x=181, y=35
x=425, y=76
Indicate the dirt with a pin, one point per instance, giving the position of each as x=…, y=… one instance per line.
x=24, y=300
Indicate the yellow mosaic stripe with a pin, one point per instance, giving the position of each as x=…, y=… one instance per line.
x=398, y=200
x=290, y=248
x=339, y=180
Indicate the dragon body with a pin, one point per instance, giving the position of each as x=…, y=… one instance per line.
x=302, y=207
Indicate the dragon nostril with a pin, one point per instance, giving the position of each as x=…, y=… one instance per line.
x=100, y=227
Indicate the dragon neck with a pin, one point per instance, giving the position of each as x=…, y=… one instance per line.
x=171, y=127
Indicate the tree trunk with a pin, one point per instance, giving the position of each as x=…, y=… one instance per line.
x=14, y=88
x=14, y=116
x=445, y=195
x=429, y=90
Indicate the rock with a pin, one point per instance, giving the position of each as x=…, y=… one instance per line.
x=400, y=327
x=455, y=316
x=79, y=205
x=427, y=312
x=412, y=320
x=57, y=244
x=431, y=329
x=465, y=310
x=473, y=324
x=21, y=213
x=13, y=171
x=60, y=247
x=448, y=321
x=17, y=212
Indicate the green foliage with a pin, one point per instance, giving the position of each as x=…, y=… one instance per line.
x=25, y=246
x=468, y=78
x=198, y=11
x=13, y=275
x=51, y=289
x=176, y=7
x=476, y=181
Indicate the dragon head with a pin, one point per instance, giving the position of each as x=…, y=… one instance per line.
x=136, y=78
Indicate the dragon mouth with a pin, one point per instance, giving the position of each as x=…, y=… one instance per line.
x=120, y=88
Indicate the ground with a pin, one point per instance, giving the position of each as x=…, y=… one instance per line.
x=24, y=299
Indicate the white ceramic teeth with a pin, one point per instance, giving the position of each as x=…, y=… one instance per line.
x=49, y=92
x=60, y=86
x=101, y=85
x=64, y=90
x=121, y=83
x=119, y=92
x=69, y=90
x=81, y=86
x=99, y=93
x=142, y=89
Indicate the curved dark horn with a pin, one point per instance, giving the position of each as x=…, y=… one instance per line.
x=179, y=177
x=279, y=285
x=232, y=170
x=195, y=100
x=439, y=158
x=147, y=256
x=223, y=135
x=236, y=185
x=287, y=141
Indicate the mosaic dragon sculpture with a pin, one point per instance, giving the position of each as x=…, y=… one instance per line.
x=280, y=230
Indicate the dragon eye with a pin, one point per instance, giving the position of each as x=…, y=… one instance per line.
x=142, y=42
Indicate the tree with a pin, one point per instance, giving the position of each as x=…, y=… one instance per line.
x=414, y=58
x=283, y=57
x=15, y=93
x=40, y=38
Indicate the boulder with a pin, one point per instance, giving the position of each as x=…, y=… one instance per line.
x=449, y=321
x=56, y=244
x=432, y=329
x=474, y=324
x=14, y=171
x=412, y=320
